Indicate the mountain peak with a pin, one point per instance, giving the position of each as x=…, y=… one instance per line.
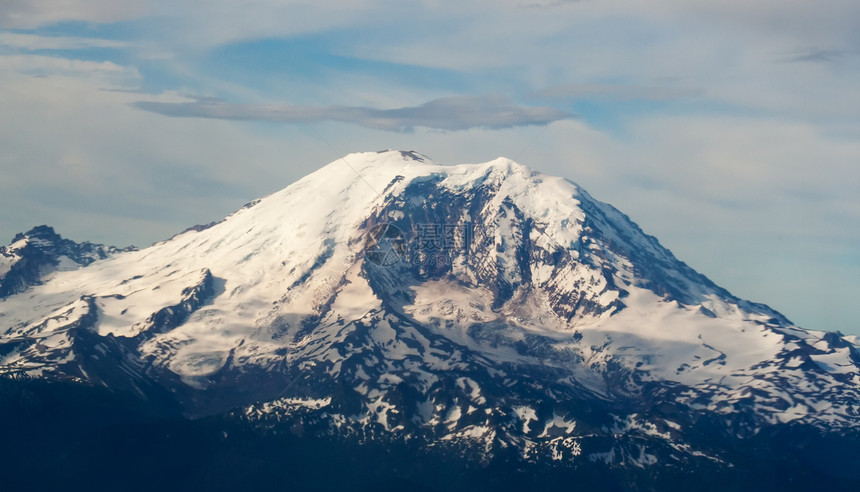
x=41, y=231
x=35, y=254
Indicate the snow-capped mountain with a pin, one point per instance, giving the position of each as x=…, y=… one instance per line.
x=481, y=308
x=40, y=251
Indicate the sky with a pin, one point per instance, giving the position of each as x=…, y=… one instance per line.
x=728, y=129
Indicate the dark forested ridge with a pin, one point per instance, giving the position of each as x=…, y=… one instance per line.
x=68, y=436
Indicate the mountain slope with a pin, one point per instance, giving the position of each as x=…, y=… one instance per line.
x=483, y=309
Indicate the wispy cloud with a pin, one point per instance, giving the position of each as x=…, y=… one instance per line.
x=43, y=66
x=815, y=55
x=32, y=42
x=450, y=113
x=546, y=4
x=617, y=92
x=28, y=14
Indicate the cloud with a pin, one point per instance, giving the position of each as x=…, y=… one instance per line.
x=56, y=65
x=617, y=92
x=450, y=113
x=107, y=74
x=29, y=14
x=547, y=4
x=32, y=42
x=819, y=55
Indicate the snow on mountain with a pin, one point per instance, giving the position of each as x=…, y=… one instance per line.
x=387, y=295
